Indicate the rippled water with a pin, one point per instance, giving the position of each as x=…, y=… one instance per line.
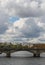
x=25, y=59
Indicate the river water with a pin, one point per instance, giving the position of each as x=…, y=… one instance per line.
x=22, y=58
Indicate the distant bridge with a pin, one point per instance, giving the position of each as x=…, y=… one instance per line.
x=36, y=49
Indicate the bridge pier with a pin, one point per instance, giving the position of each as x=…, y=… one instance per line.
x=8, y=54
x=36, y=55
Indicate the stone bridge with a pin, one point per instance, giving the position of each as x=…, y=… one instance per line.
x=36, y=49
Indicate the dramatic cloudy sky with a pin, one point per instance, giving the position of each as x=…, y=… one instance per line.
x=22, y=20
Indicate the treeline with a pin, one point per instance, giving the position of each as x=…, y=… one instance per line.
x=20, y=46
x=13, y=46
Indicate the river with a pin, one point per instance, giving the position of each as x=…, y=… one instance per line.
x=22, y=58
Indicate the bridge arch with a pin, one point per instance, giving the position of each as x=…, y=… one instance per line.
x=22, y=54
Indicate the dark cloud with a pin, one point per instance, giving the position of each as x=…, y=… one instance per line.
x=30, y=29
x=25, y=8
x=3, y=28
x=3, y=22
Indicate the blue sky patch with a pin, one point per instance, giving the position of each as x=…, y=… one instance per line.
x=13, y=19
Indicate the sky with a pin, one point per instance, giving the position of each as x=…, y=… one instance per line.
x=22, y=20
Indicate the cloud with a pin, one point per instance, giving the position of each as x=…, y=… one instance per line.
x=30, y=29
x=3, y=29
x=24, y=29
x=31, y=23
x=25, y=8
x=3, y=22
